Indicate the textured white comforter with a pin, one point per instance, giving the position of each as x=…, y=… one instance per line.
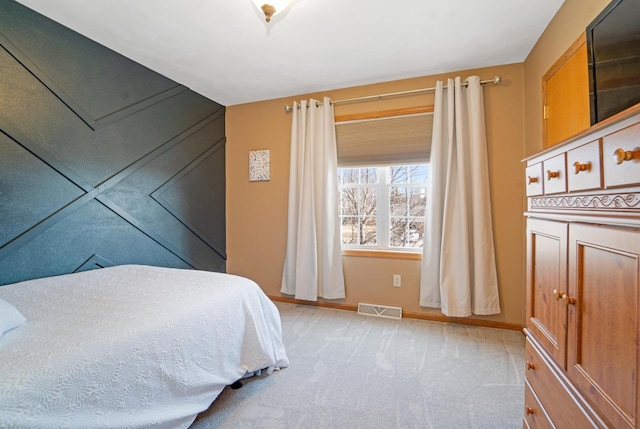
x=131, y=346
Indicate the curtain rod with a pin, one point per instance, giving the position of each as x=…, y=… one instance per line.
x=496, y=81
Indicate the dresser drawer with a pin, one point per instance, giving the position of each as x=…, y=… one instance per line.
x=583, y=167
x=555, y=176
x=535, y=416
x=621, y=157
x=561, y=407
x=534, y=179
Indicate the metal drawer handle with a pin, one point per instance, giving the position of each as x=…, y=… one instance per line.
x=577, y=167
x=532, y=179
x=568, y=299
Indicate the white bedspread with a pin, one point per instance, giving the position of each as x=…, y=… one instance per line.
x=131, y=346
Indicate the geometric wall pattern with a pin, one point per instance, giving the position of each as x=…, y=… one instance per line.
x=102, y=161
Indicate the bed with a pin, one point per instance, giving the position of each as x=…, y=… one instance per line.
x=131, y=346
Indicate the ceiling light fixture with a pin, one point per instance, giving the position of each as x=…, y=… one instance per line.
x=268, y=10
x=273, y=7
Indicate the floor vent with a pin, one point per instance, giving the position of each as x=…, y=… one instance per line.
x=380, y=311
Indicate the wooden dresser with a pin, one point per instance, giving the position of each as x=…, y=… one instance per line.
x=583, y=279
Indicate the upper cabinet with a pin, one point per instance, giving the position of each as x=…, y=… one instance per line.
x=565, y=95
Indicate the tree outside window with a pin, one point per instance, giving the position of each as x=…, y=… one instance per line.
x=383, y=207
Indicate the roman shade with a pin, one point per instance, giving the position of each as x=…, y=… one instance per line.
x=404, y=139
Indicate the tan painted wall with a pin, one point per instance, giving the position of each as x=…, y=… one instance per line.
x=566, y=26
x=257, y=211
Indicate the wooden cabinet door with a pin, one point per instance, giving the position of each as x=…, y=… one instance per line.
x=565, y=92
x=604, y=266
x=546, y=280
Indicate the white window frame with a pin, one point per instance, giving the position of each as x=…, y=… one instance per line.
x=383, y=214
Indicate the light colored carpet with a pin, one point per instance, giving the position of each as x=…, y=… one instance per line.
x=351, y=371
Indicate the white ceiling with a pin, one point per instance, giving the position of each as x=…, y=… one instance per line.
x=224, y=50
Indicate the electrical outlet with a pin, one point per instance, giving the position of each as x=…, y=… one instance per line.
x=397, y=280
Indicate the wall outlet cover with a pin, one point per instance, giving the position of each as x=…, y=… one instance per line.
x=397, y=280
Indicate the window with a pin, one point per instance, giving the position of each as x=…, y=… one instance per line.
x=383, y=160
x=383, y=208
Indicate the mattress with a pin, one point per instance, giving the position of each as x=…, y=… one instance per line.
x=131, y=346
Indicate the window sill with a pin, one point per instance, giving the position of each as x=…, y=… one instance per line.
x=387, y=254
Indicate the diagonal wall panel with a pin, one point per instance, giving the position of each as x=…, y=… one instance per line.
x=92, y=229
x=25, y=179
x=94, y=262
x=75, y=197
x=206, y=184
x=74, y=68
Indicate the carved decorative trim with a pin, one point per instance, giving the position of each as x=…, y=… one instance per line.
x=625, y=201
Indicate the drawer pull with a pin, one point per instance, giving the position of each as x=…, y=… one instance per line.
x=558, y=294
x=620, y=155
x=577, y=167
x=528, y=410
x=532, y=179
x=568, y=299
x=552, y=174
x=530, y=365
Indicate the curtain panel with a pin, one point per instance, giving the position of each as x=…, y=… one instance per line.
x=313, y=263
x=459, y=273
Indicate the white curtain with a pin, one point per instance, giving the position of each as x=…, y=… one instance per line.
x=313, y=264
x=458, y=264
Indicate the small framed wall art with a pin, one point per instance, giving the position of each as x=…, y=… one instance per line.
x=259, y=166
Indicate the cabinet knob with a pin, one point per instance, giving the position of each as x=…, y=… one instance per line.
x=528, y=410
x=568, y=299
x=530, y=365
x=577, y=167
x=552, y=174
x=620, y=155
x=532, y=179
x=558, y=294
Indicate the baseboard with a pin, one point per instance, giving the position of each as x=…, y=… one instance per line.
x=464, y=321
x=324, y=304
x=408, y=315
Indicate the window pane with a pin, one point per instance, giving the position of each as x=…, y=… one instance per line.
x=349, y=201
x=417, y=201
x=415, y=234
x=418, y=173
x=398, y=174
x=398, y=232
x=369, y=175
x=406, y=233
x=350, y=176
x=349, y=230
x=368, y=231
x=367, y=204
x=398, y=201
